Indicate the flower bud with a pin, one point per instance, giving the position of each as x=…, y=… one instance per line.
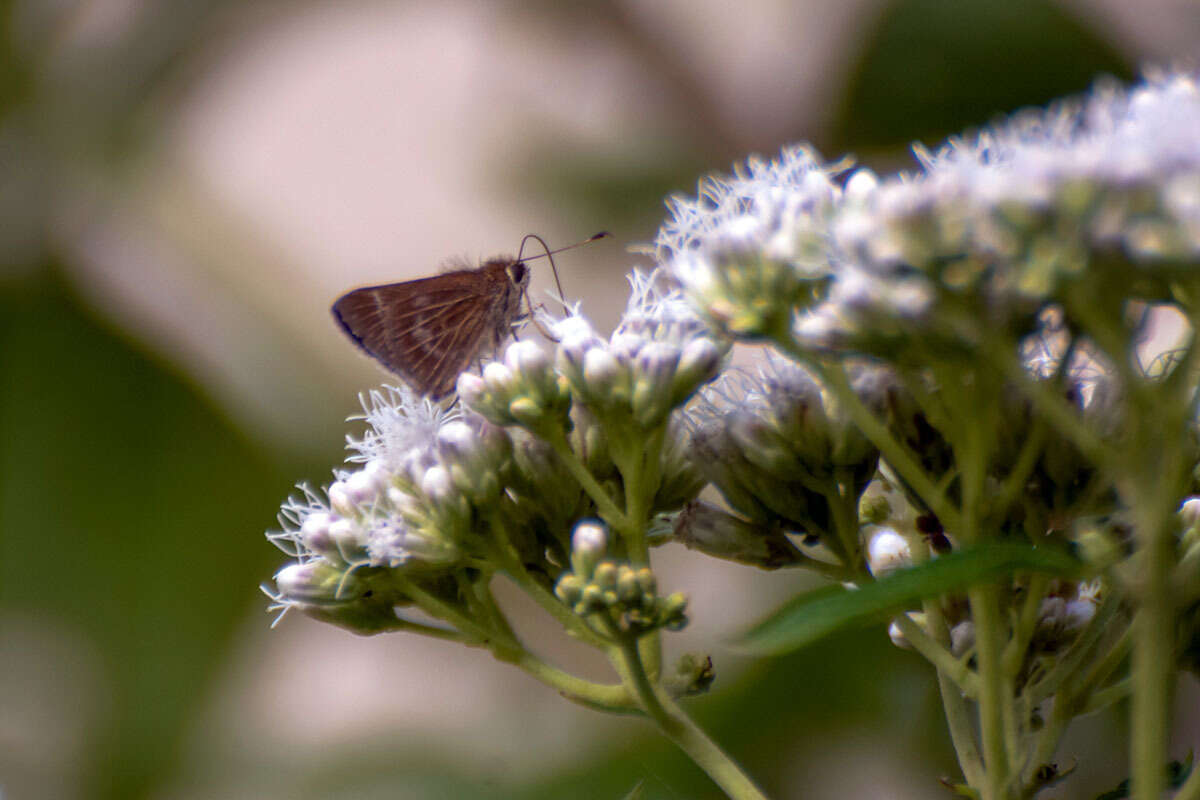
x=591, y=601
x=704, y=527
x=605, y=575
x=316, y=583
x=628, y=589
x=653, y=372
x=341, y=500
x=569, y=588
x=347, y=539
x=673, y=615
x=498, y=378
x=471, y=389
x=602, y=374
x=589, y=542
x=887, y=551
x=534, y=371
x=698, y=364
x=647, y=581
x=962, y=638
x=314, y=532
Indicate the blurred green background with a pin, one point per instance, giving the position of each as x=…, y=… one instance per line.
x=184, y=188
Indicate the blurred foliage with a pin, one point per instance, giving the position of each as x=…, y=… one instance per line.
x=131, y=513
x=931, y=68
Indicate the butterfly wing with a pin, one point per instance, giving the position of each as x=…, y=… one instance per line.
x=427, y=331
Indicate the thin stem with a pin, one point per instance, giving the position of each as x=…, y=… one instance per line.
x=1114, y=655
x=605, y=506
x=506, y=554
x=1152, y=669
x=681, y=730
x=942, y=659
x=843, y=505
x=447, y=613
x=1051, y=734
x=1015, y=650
x=1105, y=697
x=896, y=454
x=954, y=705
x=614, y=698
x=638, y=461
x=988, y=651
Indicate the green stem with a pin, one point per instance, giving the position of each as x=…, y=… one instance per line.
x=942, y=659
x=1015, y=650
x=681, y=730
x=506, y=555
x=1105, y=697
x=1153, y=668
x=447, y=613
x=895, y=453
x=954, y=705
x=843, y=506
x=992, y=723
x=1052, y=732
x=614, y=698
x=605, y=506
x=638, y=460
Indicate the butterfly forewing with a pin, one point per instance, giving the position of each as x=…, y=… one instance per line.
x=429, y=330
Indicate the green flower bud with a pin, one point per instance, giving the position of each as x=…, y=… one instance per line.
x=704, y=527
x=569, y=588
x=628, y=589
x=605, y=575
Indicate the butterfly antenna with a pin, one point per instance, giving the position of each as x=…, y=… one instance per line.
x=549, y=254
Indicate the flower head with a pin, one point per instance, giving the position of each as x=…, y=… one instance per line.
x=749, y=247
x=1001, y=222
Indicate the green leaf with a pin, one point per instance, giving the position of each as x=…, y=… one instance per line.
x=810, y=616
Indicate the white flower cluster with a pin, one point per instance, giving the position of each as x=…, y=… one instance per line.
x=997, y=223
x=400, y=507
x=657, y=357
x=1023, y=207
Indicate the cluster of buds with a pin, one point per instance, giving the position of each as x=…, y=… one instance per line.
x=653, y=363
x=412, y=511
x=785, y=448
x=615, y=597
x=522, y=390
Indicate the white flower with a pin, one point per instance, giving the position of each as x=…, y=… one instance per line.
x=397, y=421
x=747, y=245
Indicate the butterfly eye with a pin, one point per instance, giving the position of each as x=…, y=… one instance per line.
x=516, y=273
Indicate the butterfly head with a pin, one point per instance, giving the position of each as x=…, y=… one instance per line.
x=518, y=275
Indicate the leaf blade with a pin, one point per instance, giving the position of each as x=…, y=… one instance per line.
x=816, y=614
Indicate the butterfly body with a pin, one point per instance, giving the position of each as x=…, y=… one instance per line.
x=431, y=329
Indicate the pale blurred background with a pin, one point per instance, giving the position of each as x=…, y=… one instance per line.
x=184, y=189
